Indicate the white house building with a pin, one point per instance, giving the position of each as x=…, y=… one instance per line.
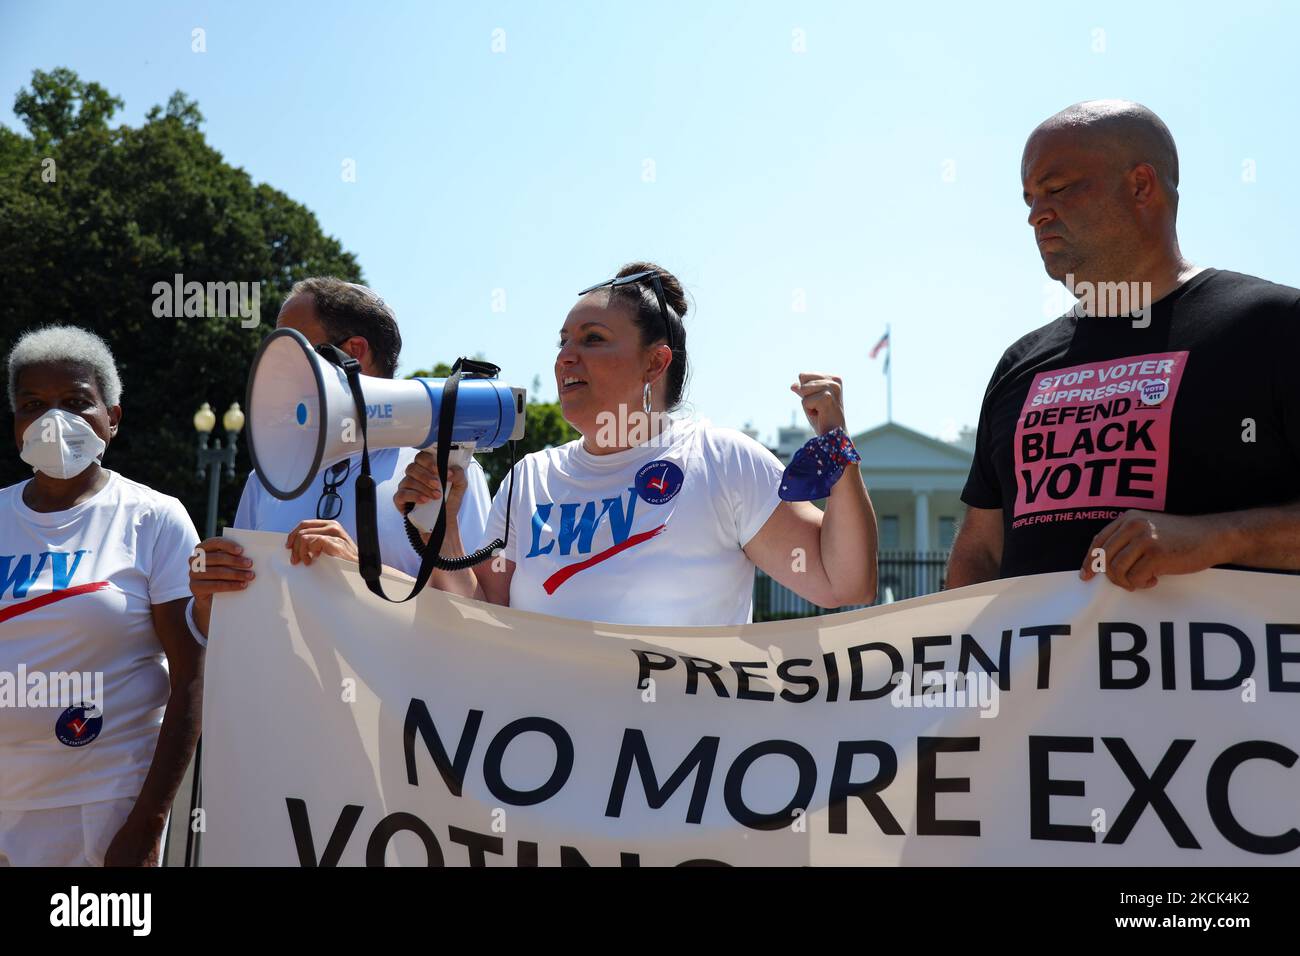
x=915, y=483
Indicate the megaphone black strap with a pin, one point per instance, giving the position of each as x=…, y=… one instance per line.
x=370, y=562
x=477, y=369
x=414, y=536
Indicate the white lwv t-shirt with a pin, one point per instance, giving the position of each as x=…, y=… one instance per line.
x=650, y=535
x=76, y=589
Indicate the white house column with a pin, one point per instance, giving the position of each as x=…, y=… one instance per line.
x=922, y=537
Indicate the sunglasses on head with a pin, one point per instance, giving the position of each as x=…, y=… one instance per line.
x=655, y=282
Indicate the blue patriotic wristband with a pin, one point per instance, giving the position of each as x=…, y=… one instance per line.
x=816, y=466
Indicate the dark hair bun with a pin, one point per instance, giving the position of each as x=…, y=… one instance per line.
x=673, y=290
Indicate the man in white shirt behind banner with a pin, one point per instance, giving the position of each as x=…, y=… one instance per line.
x=322, y=520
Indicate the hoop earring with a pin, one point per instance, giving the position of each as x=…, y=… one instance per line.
x=645, y=398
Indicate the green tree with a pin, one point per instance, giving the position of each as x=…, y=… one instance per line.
x=93, y=215
x=544, y=427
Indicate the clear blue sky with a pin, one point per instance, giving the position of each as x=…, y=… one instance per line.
x=774, y=170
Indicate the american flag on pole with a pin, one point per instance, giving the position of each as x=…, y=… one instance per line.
x=883, y=344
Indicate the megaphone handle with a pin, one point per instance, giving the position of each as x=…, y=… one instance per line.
x=425, y=516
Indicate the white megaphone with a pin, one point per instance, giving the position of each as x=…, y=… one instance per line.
x=302, y=417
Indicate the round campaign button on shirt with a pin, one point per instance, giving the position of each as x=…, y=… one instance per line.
x=78, y=726
x=658, y=482
x=1154, y=391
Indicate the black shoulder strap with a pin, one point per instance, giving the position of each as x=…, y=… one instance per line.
x=371, y=565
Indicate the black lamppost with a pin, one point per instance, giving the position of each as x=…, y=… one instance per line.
x=215, y=458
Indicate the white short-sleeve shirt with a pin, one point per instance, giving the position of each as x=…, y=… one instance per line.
x=259, y=510
x=76, y=588
x=650, y=535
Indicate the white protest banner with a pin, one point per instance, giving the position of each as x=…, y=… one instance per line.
x=1095, y=727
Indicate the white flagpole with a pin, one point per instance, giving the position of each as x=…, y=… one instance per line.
x=889, y=375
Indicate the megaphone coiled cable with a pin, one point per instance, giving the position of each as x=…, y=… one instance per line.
x=467, y=561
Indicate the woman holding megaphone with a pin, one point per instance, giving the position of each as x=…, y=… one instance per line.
x=648, y=519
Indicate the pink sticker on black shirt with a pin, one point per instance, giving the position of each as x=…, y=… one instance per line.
x=1096, y=436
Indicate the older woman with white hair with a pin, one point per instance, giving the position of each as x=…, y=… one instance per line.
x=104, y=682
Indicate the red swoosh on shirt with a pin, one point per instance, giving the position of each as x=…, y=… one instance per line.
x=562, y=575
x=31, y=605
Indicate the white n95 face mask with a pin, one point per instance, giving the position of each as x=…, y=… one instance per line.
x=61, y=444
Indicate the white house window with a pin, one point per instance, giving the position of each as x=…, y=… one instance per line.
x=889, y=539
x=947, y=531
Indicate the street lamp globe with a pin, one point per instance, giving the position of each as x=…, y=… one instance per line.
x=205, y=419
x=233, y=420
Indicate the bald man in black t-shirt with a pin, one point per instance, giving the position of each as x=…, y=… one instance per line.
x=1155, y=428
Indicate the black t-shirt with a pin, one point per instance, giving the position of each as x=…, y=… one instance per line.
x=1088, y=417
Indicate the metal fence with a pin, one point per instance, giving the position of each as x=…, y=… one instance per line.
x=902, y=575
